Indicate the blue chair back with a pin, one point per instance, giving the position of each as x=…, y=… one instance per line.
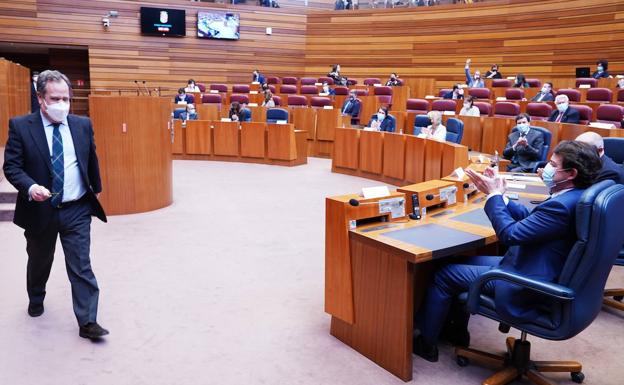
x=454, y=130
x=614, y=148
x=547, y=140
x=275, y=114
x=246, y=115
x=177, y=112
x=420, y=122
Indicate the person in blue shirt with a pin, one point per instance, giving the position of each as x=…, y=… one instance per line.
x=473, y=81
x=258, y=77
x=183, y=97
x=327, y=89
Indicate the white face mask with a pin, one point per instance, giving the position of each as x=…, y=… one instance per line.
x=58, y=111
x=562, y=107
x=380, y=116
x=545, y=90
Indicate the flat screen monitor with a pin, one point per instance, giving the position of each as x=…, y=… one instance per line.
x=582, y=72
x=163, y=21
x=218, y=25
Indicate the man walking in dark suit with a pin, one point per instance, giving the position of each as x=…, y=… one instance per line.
x=524, y=145
x=564, y=113
x=539, y=242
x=50, y=159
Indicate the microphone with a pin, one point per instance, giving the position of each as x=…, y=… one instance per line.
x=430, y=197
x=354, y=202
x=139, y=91
x=147, y=89
x=466, y=185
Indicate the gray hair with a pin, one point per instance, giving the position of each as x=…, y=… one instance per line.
x=49, y=76
x=562, y=97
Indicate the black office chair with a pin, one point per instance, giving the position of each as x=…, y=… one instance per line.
x=574, y=300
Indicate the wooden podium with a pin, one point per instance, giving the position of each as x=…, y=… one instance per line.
x=133, y=138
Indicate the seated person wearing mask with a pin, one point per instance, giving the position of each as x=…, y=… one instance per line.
x=237, y=112
x=538, y=240
x=191, y=86
x=620, y=83
x=524, y=145
x=456, y=93
x=520, y=82
x=601, y=69
x=268, y=100
x=473, y=81
x=610, y=169
x=545, y=95
x=382, y=121
x=469, y=109
x=189, y=114
x=352, y=106
x=327, y=90
x=182, y=97
x=493, y=73
x=258, y=77
x=394, y=80
x=436, y=130
x=564, y=113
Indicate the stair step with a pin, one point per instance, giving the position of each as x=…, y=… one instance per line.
x=8, y=197
x=6, y=212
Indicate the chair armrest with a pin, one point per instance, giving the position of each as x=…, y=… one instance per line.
x=553, y=290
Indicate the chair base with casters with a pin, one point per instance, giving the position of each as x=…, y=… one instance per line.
x=616, y=300
x=516, y=362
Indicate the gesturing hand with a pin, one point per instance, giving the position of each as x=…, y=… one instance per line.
x=489, y=183
x=40, y=193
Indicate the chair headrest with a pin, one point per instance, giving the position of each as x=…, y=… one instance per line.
x=585, y=206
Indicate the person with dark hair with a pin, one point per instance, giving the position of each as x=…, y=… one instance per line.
x=382, y=121
x=493, y=73
x=236, y=113
x=335, y=75
x=268, y=100
x=34, y=101
x=520, y=82
x=191, y=86
x=327, y=90
x=456, y=93
x=182, y=97
x=352, y=106
x=539, y=242
x=545, y=94
x=601, y=69
x=473, y=81
x=258, y=77
x=394, y=80
x=189, y=114
x=524, y=145
x=469, y=109
x=610, y=170
x=58, y=195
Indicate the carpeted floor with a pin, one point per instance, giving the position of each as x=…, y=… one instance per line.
x=226, y=287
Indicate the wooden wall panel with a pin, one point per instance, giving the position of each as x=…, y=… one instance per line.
x=14, y=94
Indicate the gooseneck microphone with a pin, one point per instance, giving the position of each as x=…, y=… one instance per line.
x=147, y=89
x=354, y=202
x=430, y=197
x=139, y=91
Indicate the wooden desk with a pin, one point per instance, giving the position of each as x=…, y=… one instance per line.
x=226, y=138
x=209, y=111
x=495, y=132
x=473, y=132
x=198, y=137
x=375, y=283
x=177, y=146
x=326, y=123
x=370, y=105
x=253, y=140
x=258, y=114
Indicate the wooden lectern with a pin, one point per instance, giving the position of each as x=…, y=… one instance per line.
x=133, y=138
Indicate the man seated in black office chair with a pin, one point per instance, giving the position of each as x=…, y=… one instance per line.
x=538, y=243
x=524, y=145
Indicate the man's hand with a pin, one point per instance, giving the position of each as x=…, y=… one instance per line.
x=489, y=183
x=468, y=61
x=540, y=171
x=39, y=193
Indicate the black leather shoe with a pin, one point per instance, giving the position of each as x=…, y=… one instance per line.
x=35, y=310
x=92, y=331
x=424, y=350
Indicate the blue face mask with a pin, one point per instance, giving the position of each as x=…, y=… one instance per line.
x=523, y=128
x=548, y=176
x=600, y=68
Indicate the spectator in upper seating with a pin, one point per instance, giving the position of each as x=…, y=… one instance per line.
x=473, y=81
x=394, y=80
x=564, y=113
x=456, y=93
x=182, y=97
x=236, y=112
x=436, y=130
x=269, y=3
x=469, y=109
x=601, y=69
x=327, y=90
x=268, y=99
x=620, y=83
x=524, y=145
x=352, y=106
x=610, y=169
x=382, y=121
x=258, y=77
x=335, y=74
x=545, y=95
x=191, y=86
x=493, y=73
x=189, y=114
x=520, y=82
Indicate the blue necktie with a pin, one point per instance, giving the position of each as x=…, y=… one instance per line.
x=58, y=167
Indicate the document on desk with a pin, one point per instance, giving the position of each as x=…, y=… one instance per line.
x=522, y=178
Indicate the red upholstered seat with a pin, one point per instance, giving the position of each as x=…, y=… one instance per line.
x=212, y=99
x=219, y=87
x=320, y=101
x=297, y=100
x=620, y=95
x=272, y=80
x=610, y=113
x=582, y=81
x=351, y=82
x=485, y=108
x=599, y=95
x=289, y=80
x=444, y=105
x=539, y=111
x=272, y=88
x=372, y=81
x=506, y=83
x=420, y=106
x=341, y=90
x=325, y=79
x=534, y=83
x=240, y=98
x=481, y=93
x=308, y=81
x=202, y=87
x=506, y=109
x=383, y=90
x=362, y=92
x=288, y=89
x=308, y=90
x=240, y=89
x=277, y=100
x=444, y=91
x=573, y=95
x=514, y=93
x=585, y=113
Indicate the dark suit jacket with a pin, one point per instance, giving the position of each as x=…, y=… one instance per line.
x=524, y=155
x=570, y=115
x=498, y=75
x=352, y=109
x=189, y=99
x=34, y=101
x=27, y=161
x=598, y=75
x=611, y=170
x=547, y=98
x=260, y=79
x=449, y=95
x=539, y=242
x=388, y=124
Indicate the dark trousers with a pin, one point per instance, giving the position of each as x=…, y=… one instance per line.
x=73, y=224
x=447, y=284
